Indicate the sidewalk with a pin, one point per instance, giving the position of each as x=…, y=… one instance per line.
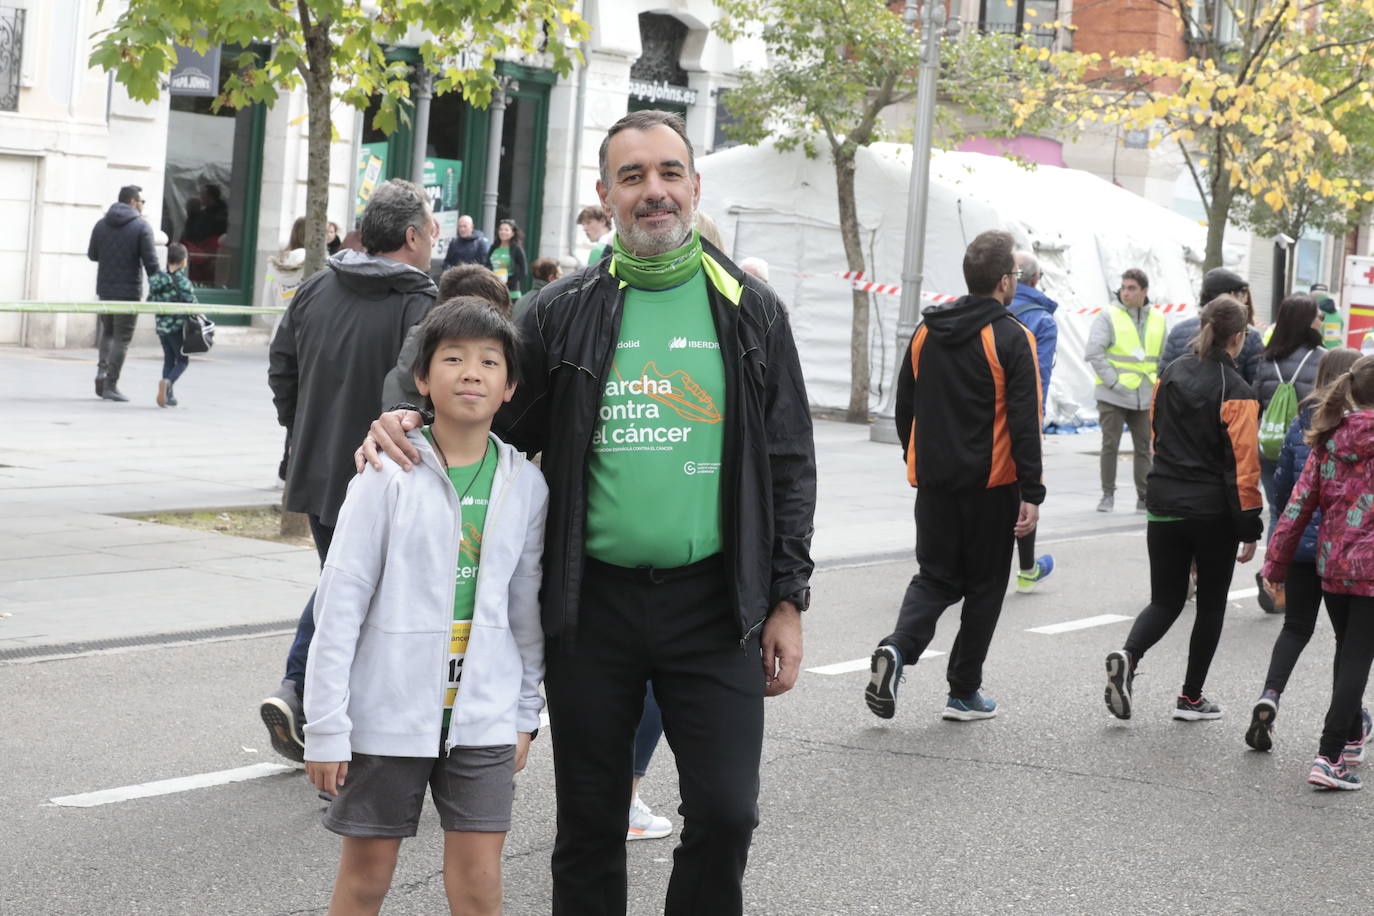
x=73, y=572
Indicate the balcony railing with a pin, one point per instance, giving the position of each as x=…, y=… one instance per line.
x=1038, y=36
x=11, y=56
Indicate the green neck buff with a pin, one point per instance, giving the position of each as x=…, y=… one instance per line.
x=662, y=271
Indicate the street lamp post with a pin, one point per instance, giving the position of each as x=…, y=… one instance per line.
x=913, y=259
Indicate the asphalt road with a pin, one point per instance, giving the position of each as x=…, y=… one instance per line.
x=1052, y=808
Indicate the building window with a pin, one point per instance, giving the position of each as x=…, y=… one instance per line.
x=11, y=56
x=213, y=179
x=1032, y=20
x=657, y=80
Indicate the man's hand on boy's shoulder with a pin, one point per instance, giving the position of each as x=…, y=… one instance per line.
x=522, y=750
x=327, y=776
x=388, y=434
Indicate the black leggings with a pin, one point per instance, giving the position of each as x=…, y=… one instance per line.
x=1352, y=617
x=1303, y=594
x=1174, y=547
x=1025, y=550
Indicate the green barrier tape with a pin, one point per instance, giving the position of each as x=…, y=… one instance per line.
x=139, y=308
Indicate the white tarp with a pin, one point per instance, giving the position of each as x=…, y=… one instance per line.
x=782, y=207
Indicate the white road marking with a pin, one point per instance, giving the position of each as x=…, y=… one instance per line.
x=1242, y=593
x=1069, y=626
x=172, y=786
x=859, y=664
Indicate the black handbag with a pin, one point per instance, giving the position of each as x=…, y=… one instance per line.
x=197, y=334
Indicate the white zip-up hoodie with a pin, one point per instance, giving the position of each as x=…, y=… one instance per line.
x=374, y=682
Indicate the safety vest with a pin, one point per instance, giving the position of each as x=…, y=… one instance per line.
x=1332, y=328
x=1134, y=363
x=1268, y=333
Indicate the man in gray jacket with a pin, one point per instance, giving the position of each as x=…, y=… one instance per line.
x=121, y=243
x=1123, y=348
x=339, y=337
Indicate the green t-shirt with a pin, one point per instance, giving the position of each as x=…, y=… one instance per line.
x=472, y=483
x=501, y=266
x=654, y=477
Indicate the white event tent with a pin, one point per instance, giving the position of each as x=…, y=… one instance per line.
x=781, y=206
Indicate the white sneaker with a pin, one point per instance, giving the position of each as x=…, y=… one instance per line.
x=644, y=824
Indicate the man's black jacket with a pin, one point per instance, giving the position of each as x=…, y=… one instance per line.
x=339, y=337
x=122, y=241
x=768, y=483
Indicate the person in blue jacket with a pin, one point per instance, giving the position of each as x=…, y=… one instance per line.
x=1217, y=282
x=1303, y=586
x=1036, y=311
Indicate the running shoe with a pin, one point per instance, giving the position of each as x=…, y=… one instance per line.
x=1260, y=735
x=1354, y=753
x=1028, y=579
x=881, y=692
x=970, y=708
x=644, y=824
x=1106, y=503
x=283, y=715
x=1140, y=506
x=1194, y=710
x=1328, y=774
x=1120, y=676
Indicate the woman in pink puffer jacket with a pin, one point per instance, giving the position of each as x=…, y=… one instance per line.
x=1339, y=479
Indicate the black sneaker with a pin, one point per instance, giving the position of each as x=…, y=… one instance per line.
x=1260, y=735
x=283, y=716
x=1120, y=676
x=1196, y=710
x=881, y=692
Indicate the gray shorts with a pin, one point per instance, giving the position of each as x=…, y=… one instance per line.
x=473, y=789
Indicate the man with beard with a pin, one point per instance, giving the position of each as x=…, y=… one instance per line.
x=663, y=387
x=968, y=414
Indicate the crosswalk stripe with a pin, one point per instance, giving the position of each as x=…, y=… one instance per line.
x=859, y=664
x=1069, y=626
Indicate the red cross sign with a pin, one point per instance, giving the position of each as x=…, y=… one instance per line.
x=1369, y=275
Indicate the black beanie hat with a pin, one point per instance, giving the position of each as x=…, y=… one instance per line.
x=1217, y=281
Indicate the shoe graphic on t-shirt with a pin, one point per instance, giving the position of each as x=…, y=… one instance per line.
x=693, y=403
x=471, y=545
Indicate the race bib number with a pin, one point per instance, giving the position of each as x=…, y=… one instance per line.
x=457, y=648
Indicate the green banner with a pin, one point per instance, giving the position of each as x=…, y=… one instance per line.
x=371, y=172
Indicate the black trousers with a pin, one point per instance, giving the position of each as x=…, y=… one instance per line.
x=1303, y=598
x=1174, y=547
x=112, y=336
x=678, y=629
x=963, y=548
x=1352, y=617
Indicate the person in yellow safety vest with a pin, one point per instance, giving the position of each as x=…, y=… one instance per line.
x=1123, y=348
x=1333, y=326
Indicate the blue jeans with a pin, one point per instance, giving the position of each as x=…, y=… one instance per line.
x=174, y=362
x=649, y=731
x=305, y=628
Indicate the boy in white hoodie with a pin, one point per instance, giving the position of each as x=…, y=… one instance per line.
x=428, y=651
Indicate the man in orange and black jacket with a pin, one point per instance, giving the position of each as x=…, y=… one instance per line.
x=969, y=417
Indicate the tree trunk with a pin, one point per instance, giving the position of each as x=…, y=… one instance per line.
x=319, y=77
x=1218, y=207
x=853, y=251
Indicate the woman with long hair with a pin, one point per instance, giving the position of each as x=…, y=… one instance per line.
x=1202, y=503
x=508, y=257
x=1338, y=479
x=1303, y=586
x=1290, y=356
